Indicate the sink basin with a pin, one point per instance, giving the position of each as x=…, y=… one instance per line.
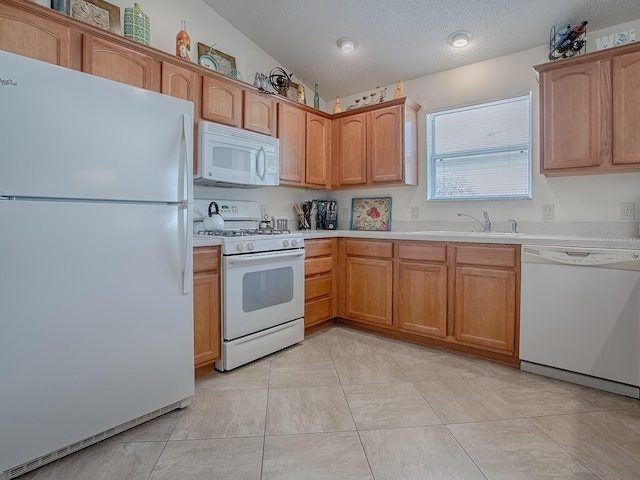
x=458, y=233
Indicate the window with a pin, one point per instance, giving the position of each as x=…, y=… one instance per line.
x=480, y=152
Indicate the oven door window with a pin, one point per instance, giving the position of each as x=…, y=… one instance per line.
x=266, y=288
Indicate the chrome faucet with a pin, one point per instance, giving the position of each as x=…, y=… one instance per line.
x=514, y=225
x=486, y=224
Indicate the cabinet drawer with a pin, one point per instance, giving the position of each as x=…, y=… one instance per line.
x=365, y=248
x=318, y=248
x=423, y=253
x=318, y=310
x=206, y=259
x=319, y=286
x=314, y=266
x=498, y=256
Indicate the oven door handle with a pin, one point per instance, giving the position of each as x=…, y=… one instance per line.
x=258, y=258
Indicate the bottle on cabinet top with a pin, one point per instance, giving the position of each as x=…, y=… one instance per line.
x=316, y=99
x=183, y=42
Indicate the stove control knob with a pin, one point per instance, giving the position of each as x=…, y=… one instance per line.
x=251, y=246
x=294, y=243
x=240, y=247
x=285, y=243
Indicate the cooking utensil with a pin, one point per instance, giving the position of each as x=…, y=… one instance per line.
x=214, y=221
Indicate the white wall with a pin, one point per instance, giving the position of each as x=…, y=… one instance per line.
x=593, y=198
x=576, y=199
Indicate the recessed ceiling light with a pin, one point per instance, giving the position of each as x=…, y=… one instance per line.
x=460, y=39
x=346, y=45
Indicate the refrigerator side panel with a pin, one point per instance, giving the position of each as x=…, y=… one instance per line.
x=67, y=134
x=95, y=328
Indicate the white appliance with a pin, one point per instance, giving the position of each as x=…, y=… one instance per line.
x=231, y=157
x=96, y=307
x=262, y=286
x=580, y=316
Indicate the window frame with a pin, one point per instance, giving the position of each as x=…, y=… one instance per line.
x=431, y=157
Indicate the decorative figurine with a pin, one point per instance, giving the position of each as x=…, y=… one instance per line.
x=302, y=98
x=183, y=42
x=337, y=108
x=399, y=93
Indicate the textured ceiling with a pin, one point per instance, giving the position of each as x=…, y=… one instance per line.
x=403, y=39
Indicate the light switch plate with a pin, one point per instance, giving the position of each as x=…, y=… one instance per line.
x=627, y=211
x=547, y=212
x=415, y=213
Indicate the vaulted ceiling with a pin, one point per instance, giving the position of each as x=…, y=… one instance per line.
x=403, y=39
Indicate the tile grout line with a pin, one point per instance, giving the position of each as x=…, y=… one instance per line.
x=266, y=412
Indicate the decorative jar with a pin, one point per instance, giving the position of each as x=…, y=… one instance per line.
x=136, y=25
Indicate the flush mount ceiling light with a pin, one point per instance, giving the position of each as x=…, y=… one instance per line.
x=460, y=39
x=346, y=45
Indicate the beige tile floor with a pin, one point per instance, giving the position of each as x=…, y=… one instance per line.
x=350, y=405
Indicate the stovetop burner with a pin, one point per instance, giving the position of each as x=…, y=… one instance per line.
x=244, y=232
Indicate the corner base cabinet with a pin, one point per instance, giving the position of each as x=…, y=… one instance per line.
x=206, y=308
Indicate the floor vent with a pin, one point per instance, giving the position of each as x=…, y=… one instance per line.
x=74, y=447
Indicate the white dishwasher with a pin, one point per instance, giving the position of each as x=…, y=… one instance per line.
x=580, y=316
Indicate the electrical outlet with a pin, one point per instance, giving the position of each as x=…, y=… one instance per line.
x=547, y=212
x=627, y=211
x=264, y=211
x=415, y=213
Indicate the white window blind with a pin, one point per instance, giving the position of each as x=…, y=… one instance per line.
x=481, y=151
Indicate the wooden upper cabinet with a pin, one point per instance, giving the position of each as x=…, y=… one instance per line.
x=590, y=112
x=221, y=102
x=292, y=135
x=178, y=81
x=378, y=146
x=259, y=113
x=352, y=150
x=626, y=109
x=318, y=151
x=573, y=115
x=116, y=62
x=385, y=143
x=30, y=35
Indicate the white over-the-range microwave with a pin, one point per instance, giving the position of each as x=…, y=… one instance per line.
x=232, y=157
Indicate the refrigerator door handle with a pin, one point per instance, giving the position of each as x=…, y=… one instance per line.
x=186, y=161
x=185, y=220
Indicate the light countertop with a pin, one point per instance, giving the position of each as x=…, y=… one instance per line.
x=632, y=243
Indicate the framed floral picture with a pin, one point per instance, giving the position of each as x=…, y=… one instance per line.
x=371, y=214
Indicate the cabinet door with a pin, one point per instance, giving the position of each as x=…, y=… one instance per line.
x=352, y=150
x=574, y=104
x=291, y=132
x=485, y=309
x=385, y=145
x=259, y=113
x=178, y=81
x=34, y=36
x=369, y=291
x=626, y=108
x=115, y=62
x=422, y=298
x=318, y=153
x=206, y=317
x=221, y=102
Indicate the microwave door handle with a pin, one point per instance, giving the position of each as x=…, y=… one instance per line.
x=261, y=169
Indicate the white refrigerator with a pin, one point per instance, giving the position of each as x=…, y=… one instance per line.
x=96, y=307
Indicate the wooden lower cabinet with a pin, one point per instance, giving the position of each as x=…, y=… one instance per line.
x=206, y=308
x=459, y=296
x=367, y=282
x=319, y=285
x=485, y=307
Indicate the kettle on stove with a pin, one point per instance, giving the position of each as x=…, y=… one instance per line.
x=214, y=221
